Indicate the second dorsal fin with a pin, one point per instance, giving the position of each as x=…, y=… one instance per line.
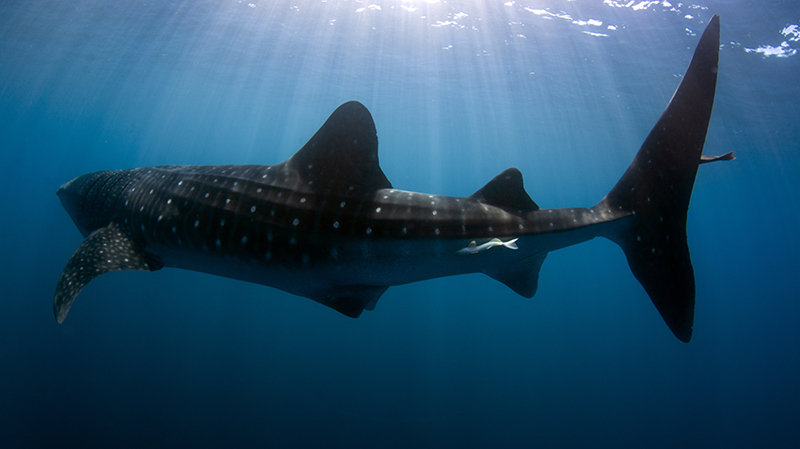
x=343, y=153
x=507, y=191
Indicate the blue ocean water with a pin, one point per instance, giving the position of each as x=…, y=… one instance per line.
x=564, y=90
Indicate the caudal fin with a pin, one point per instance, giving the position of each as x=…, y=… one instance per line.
x=657, y=187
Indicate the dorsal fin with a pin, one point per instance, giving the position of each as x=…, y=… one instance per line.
x=506, y=190
x=343, y=153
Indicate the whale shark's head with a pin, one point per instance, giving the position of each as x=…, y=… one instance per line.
x=91, y=199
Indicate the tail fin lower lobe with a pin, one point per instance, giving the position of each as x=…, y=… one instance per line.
x=657, y=187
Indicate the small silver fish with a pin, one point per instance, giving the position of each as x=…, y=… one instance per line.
x=474, y=248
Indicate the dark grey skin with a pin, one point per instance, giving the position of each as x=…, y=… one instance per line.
x=326, y=224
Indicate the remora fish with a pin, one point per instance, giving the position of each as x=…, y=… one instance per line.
x=326, y=224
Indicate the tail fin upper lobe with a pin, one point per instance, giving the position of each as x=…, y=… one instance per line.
x=657, y=187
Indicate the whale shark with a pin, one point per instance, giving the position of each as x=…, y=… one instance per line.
x=327, y=224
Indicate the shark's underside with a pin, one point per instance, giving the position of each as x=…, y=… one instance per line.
x=326, y=224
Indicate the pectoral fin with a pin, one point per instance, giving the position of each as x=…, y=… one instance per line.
x=106, y=249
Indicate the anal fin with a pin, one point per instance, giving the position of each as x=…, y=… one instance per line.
x=104, y=250
x=522, y=276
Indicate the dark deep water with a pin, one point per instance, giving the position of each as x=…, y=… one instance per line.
x=459, y=91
